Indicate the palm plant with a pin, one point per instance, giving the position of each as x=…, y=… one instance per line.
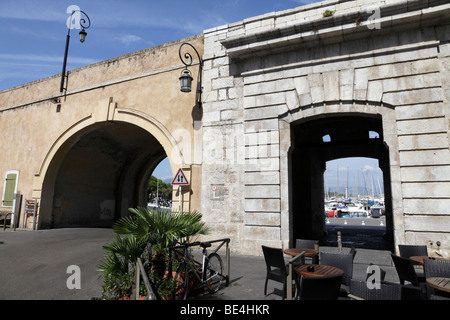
x=118, y=278
x=160, y=229
x=147, y=234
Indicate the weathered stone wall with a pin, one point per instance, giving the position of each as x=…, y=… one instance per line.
x=267, y=72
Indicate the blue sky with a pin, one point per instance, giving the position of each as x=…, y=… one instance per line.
x=34, y=32
x=33, y=35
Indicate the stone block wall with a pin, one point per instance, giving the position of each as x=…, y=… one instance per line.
x=267, y=72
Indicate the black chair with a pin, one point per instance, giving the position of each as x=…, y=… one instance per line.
x=359, y=290
x=342, y=261
x=304, y=243
x=387, y=291
x=406, y=271
x=436, y=268
x=353, y=252
x=406, y=250
x=308, y=244
x=276, y=267
x=320, y=288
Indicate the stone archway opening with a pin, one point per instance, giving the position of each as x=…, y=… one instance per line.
x=103, y=173
x=314, y=142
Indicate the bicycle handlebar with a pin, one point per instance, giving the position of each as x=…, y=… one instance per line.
x=205, y=244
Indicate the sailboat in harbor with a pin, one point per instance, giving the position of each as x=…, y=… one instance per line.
x=368, y=205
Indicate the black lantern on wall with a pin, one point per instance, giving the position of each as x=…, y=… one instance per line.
x=186, y=76
x=186, y=81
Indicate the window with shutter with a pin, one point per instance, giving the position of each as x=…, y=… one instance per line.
x=10, y=188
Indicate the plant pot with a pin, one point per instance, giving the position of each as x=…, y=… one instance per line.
x=194, y=287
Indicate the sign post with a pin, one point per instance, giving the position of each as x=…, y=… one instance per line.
x=180, y=180
x=30, y=209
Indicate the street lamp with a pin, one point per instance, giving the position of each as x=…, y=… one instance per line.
x=82, y=34
x=186, y=76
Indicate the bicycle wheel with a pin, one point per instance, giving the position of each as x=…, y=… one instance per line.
x=181, y=287
x=214, y=273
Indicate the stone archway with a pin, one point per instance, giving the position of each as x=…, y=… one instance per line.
x=349, y=137
x=98, y=169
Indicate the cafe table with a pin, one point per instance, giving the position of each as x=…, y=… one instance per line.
x=308, y=253
x=419, y=259
x=439, y=283
x=318, y=270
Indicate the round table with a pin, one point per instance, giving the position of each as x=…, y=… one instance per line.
x=320, y=270
x=419, y=259
x=439, y=283
x=296, y=251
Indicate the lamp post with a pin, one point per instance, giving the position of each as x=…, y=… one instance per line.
x=82, y=34
x=186, y=76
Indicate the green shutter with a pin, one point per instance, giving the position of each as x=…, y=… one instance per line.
x=10, y=187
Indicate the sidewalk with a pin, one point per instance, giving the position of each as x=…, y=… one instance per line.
x=34, y=264
x=247, y=274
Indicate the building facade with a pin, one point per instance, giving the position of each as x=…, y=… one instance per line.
x=276, y=84
x=273, y=87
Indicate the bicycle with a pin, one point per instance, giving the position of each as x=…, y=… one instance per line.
x=195, y=275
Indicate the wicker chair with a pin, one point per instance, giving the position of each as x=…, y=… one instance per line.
x=387, y=291
x=436, y=268
x=320, y=288
x=342, y=261
x=309, y=244
x=406, y=250
x=276, y=267
x=406, y=271
x=304, y=243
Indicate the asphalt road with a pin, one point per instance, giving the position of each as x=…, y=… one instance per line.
x=34, y=264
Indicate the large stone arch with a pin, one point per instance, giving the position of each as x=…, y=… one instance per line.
x=348, y=123
x=106, y=128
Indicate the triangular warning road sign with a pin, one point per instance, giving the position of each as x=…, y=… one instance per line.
x=180, y=179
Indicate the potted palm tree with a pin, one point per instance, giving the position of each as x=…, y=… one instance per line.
x=117, y=269
x=148, y=233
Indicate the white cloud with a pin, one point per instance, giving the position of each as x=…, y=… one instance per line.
x=128, y=39
x=369, y=168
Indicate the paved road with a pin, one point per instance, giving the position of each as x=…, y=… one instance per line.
x=33, y=265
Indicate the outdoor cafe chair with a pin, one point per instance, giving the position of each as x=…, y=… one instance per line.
x=387, y=291
x=405, y=271
x=305, y=243
x=407, y=250
x=342, y=261
x=309, y=244
x=353, y=252
x=436, y=268
x=277, y=270
x=320, y=288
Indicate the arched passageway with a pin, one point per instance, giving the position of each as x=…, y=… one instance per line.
x=347, y=135
x=99, y=176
